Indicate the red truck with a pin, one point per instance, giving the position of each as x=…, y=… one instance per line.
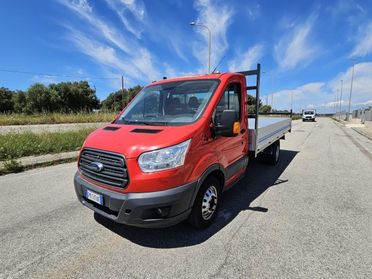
x=170, y=154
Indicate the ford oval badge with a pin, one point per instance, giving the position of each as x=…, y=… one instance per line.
x=95, y=166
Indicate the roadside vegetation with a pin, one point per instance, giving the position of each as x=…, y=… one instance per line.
x=296, y=116
x=17, y=145
x=64, y=102
x=55, y=118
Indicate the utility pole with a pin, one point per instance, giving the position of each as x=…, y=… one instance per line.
x=351, y=91
x=339, y=114
x=122, y=92
x=291, y=100
x=272, y=101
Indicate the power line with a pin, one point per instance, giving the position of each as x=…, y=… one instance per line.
x=54, y=75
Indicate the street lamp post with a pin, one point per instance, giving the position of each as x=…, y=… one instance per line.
x=351, y=91
x=193, y=23
x=339, y=113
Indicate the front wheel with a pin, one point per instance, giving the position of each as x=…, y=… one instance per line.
x=206, y=204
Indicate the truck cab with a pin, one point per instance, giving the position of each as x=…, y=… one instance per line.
x=170, y=154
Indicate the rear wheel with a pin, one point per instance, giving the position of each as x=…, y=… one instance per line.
x=274, y=154
x=206, y=203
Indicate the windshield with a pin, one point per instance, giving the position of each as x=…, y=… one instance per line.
x=309, y=112
x=172, y=103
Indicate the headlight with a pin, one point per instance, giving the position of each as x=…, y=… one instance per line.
x=163, y=159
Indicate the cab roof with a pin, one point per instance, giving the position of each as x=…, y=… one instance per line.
x=219, y=76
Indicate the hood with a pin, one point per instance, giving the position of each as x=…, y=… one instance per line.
x=133, y=140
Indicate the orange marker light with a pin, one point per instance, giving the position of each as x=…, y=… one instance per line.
x=236, y=128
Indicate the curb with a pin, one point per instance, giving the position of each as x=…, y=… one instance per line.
x=30, y=162
x=362, y=133
x=356, y=129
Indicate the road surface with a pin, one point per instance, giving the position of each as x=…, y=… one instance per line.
x=308, y=217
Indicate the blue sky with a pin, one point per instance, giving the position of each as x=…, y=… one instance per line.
x=305, y=47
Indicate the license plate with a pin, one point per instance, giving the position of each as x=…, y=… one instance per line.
x=94, y=197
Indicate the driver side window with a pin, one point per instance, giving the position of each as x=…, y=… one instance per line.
x=230, y=100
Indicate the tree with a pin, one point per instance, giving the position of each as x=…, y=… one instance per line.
x=252, y=105
x=38, y=99
x=6, y=101
x=116, y=101
x=19, y=99
x=74, y=96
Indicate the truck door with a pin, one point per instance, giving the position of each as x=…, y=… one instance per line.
x=231, y=149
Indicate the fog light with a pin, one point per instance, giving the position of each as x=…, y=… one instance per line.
x=163, y=211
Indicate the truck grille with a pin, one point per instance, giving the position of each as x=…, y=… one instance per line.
x=104, y=167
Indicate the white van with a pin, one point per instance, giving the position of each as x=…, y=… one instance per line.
x=308, y=115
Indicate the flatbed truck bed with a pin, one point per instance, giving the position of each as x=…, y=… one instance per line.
x=270, y=129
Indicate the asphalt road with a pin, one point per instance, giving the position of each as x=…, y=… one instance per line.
x=308, y=217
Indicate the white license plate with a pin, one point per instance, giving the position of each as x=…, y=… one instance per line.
x=94, y=197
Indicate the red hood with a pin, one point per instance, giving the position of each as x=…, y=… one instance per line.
x=131, y=143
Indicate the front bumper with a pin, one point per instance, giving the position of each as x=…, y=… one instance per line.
x=140, y=209
x=308, y=118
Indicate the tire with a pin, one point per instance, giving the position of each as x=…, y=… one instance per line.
x=206, y=204
x=274, y=156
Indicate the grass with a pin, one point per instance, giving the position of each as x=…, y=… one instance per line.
x=296, y=116
x=55, y=118
x=10, y=166
x=17, y=145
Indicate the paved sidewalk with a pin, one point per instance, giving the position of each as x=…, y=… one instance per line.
x=364, y=129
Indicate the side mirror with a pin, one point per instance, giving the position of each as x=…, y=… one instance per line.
x=228, y=125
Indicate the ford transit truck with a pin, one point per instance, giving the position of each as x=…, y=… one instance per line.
x=177, y=146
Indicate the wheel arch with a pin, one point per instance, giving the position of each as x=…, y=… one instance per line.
x=215, y=170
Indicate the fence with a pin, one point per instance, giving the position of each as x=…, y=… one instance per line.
x=363, y=114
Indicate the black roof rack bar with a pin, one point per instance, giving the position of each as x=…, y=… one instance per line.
x=251, y=87
x=249, y=73
x=257, y=73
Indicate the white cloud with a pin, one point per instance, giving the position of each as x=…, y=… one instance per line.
x=101, y=53
x=246, y=60
x=44, y=79
x=135, y=6
x=85, y=11
x=350, y=10
x=362, y=90
x=295, y=47
x=129, y=9
x=364, y=44
x=302, y=96
x=217, y=16
x=322, y=95
x=254, y=11
x=169, y=70
x=109, y=48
